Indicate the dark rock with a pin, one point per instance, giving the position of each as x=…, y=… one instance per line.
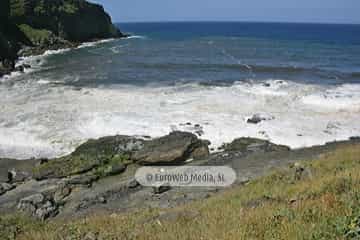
x=354, y=138
x=133, y=184
x=85, y=179
x=171, y=149
x=248, y=145
x=4, y=187
x=257, y=118
x=4, y=9
x=19, y=68
x=161, y=189
x=15, y=176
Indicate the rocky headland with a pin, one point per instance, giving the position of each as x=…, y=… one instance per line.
x=31, y=27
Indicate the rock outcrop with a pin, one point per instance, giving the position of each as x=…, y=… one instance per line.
x=10, y=39
x=111, y=155
x=99, y=174
x=73, y=20
x=41, y=190
x=246, y=145
x=171, y=149
x=39, y=25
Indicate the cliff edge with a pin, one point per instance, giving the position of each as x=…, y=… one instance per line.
x=35, y=26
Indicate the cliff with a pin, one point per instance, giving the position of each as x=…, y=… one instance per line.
x=8, y=47
x=73, y=20
x=39, y=25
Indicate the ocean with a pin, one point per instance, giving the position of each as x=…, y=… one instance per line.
x=203, y=77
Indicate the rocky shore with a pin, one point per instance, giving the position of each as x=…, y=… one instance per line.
x=31, y=27
x=99, y=174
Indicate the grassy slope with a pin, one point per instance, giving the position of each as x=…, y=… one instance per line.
x=323, y=204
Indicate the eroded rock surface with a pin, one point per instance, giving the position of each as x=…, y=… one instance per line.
x=99, y=174
x=174, y=148
x=246, y=145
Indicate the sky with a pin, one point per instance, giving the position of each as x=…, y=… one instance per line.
x=325, y=11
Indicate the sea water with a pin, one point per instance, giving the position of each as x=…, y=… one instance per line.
x=209, y=76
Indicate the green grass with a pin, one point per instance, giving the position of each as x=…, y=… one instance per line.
x=104, y=170
x=36, y=36
x=323, y=204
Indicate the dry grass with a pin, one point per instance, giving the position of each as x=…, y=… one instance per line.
x=323, y=205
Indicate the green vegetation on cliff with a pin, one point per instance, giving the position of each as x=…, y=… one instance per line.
x=11, y=38
x=36, y=36
x=49, y=24
x=73, y=20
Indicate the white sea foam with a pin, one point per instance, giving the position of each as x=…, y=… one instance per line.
x=346, y=96
x=36, y=120
x=136, y=37
x=36, y=61
x=94, y=43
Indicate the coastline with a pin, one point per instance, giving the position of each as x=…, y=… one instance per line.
x=32, y=29
x=99, y=174
x=33, y=52
x=116, y=194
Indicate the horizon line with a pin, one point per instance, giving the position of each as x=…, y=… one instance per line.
x=235, y=21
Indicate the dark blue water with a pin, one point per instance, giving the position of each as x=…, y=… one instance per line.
x=304, y=77
x=321, y=33
x=216, y=53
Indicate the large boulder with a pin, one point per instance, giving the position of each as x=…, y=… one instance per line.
x=172, y=149
x=257, y=118
x=250, y=145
